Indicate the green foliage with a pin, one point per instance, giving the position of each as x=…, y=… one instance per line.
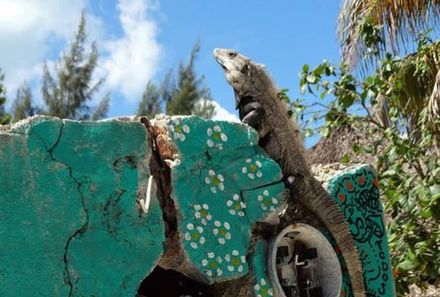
x=368, y=29
x=67, y=95
x=181, y=95
x=5, y=118
x=22, y=106
x=392, y=106
x=186, y=95
x=204, y=109
x=150, y=104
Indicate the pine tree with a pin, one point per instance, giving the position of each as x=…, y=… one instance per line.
x=150, y=104
x=182, y=98
x=204, y=108
x=5, y=118
x=22, y=106
x=67, y=95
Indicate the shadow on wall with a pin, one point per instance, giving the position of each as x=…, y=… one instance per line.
x=170, y=283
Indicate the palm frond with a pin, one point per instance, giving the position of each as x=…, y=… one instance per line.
x=416, y=85
x=397, y=23
x=381, y=111
x=434, y=100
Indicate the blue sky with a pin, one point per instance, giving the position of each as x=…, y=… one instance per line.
x=141, y=40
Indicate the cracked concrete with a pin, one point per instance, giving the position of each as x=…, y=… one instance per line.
x=84, y=225
x=71, y=194
x=70, y=211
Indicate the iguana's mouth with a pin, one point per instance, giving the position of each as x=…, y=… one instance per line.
x=221, y=64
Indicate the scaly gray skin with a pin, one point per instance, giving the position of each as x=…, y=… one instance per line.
x=259, y=106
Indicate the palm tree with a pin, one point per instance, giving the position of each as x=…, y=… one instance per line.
x=367, y=29
x=373, y=27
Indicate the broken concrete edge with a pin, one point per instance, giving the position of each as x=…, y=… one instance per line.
x=163, y=155
x=337, y=170
x=324, y=172
x=168, y=157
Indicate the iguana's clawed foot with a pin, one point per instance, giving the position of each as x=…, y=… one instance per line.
x=292, y=181
x=252, y=113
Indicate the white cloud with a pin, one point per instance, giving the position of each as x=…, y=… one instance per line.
x=28, y=30
x=132, y=59
x=222, y=114
x=32, y=31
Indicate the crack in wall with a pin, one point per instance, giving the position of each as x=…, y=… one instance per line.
x=83, y=228
x=173, y=254
x=79, y=231
x=112, y=213
x=162, y=175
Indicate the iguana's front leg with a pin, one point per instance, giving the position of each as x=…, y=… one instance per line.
x=252, y=114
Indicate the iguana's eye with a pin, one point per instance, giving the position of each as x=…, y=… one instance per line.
x=245, y=69
x=232, y=54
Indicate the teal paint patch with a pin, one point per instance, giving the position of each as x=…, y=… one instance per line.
x=269, y=200
x=357, y=194
x=261, y=286
x=70, y=221
x=219, y=174
x=39, y=208
x=47, y=131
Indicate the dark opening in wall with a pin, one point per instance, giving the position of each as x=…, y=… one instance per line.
x=170, y=283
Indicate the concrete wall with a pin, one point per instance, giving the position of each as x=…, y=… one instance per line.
x=77, y=219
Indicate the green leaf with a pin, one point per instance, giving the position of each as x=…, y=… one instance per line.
x=426, y=213
x=306, y=68
x=406, y=265
x=324, y=94
x=435, y=196
x=325, y=131
x=309, y=132
x=345, y=159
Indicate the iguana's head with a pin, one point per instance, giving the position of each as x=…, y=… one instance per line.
x=240, y=71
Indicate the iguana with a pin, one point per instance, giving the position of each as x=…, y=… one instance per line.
x=260, y=106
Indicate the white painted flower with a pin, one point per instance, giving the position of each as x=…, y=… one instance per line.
x=267, y=202
x=236, y=206
x=202, y=213
x=216, y=137
x=215, y=180
x=252, y=169
x=194, y=235
x=221, y=231
x=235, y=261
x=212, y=265
x=263, y=289
x=178, y=130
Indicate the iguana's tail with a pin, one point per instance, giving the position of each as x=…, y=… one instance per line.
x=314, y=196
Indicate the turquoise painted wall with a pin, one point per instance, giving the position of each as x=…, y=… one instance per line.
x=357, y=193
x=223, y=183
x=72, y=224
